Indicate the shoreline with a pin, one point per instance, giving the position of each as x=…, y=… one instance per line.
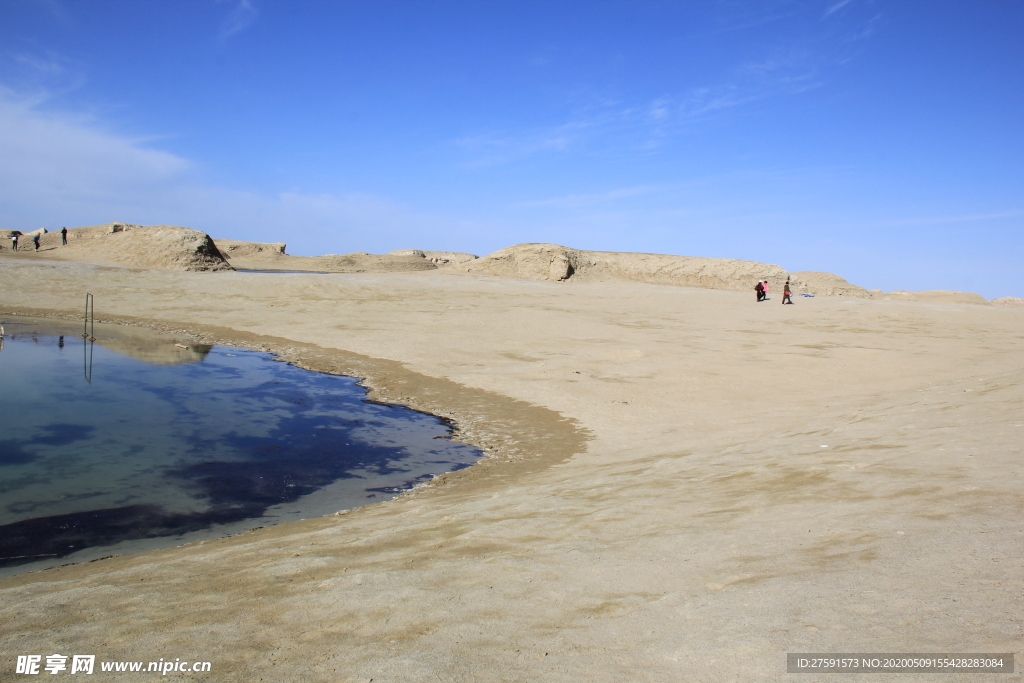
x=491, y=423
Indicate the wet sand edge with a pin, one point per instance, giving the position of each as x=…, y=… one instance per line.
x=518, y=438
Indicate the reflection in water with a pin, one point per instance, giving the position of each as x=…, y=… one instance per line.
x=156, y=351
x=164, y=444
x=87, y=360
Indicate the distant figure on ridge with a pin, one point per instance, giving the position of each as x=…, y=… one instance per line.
x=787, y=294
x=14, y=241
x=760, y=290
x=63, y=236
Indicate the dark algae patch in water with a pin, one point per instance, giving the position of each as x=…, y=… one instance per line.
x=154, y=442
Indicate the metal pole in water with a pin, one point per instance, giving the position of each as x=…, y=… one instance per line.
x=89, y=319
x=89, y=335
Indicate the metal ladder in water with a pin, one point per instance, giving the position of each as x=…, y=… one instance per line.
x=89, y=319
x=89, y=335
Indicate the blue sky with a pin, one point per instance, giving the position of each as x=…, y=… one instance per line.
x=878, y=139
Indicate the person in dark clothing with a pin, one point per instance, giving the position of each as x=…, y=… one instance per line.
x=787, y=294
x=14, y=241
x=35, y=241
x=760, y=290
x=63, y=236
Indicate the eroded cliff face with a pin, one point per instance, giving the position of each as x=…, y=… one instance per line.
x=555, y=263
x=163, y=247
x=239, y=249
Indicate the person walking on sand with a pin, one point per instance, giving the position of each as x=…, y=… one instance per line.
x=63, y=236
x=765, y=286
x=35, y=241
x=14, y=241
x=787, y=294
x=760, y=290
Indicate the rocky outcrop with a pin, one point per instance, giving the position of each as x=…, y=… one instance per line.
x=438, y=258
x=167, y=247
x=237, y=248
x=555, y=263
x=271, y=256
x=825, y=284
x=362, y=262
x=1008, y=301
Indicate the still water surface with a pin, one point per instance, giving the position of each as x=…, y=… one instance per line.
x=133, y=443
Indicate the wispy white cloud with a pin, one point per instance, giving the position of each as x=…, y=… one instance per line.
x=943, y=220
x=60, y=168
x=43, y=69
x=836, y=6
x=42, y=154
x=241, y=16
x=593, y=198
x=55, y=8
x=48, y=65
x=866, y=29
x=785, y=70
x=642, y=126
x=497, y=147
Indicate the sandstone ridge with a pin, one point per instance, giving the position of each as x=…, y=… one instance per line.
x=271, y=256
x=438, y=258
x=163, y=247
x=555, y=263
x=171, y=247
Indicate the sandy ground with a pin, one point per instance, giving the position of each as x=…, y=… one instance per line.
x=685, y=485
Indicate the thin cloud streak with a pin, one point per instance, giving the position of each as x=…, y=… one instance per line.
x=644, y=127
x=941, y=220
x=592, y=199
x=836, y=7
x=47, y=66
x=241, y=17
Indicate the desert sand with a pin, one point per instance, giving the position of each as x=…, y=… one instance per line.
x=681, y=484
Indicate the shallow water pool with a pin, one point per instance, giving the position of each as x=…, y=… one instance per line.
x=135, y=442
